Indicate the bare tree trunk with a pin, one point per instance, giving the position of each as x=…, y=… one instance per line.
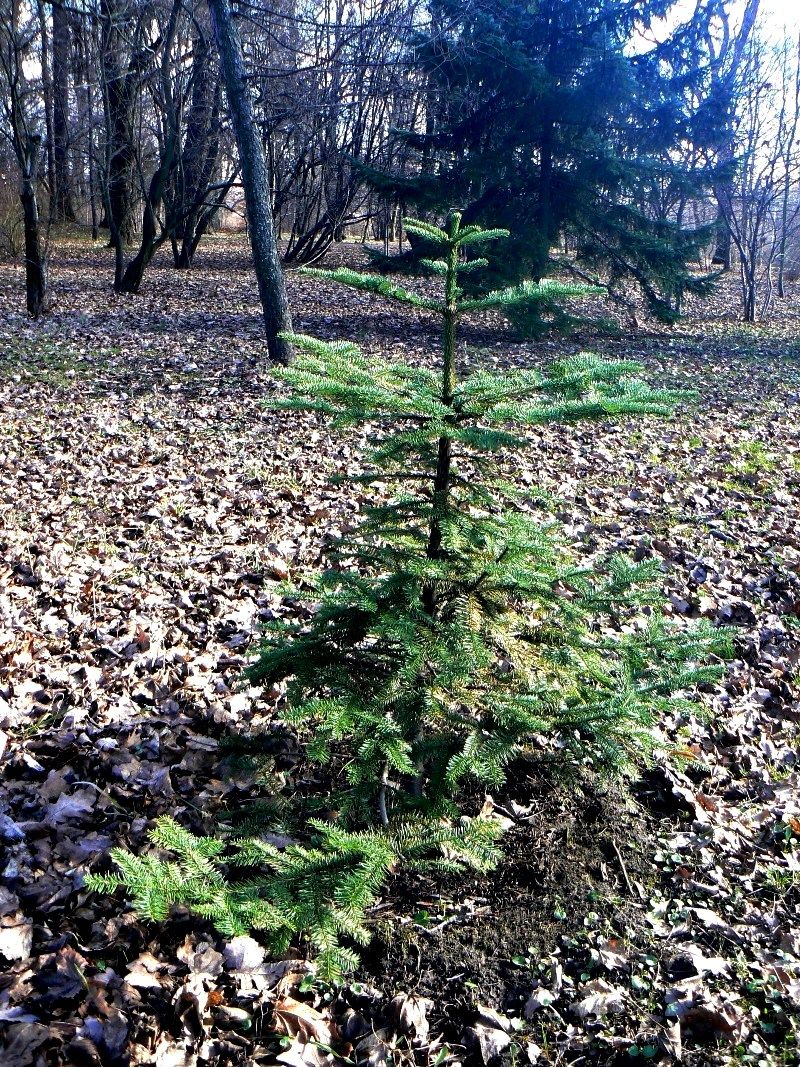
x=723, y=250
x=26, y=141
x=152, y=239
x=35, y=263
x=154, y=234
x=725, y=72
x=749, y=295
x=201, y=155
x=47, y=93
x=85, y=94
x=119, y=82
x=787, y=190
x=62, y=197
x=271, y=286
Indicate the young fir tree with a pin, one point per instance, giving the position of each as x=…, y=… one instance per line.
x=450, y=635
x=453, y=633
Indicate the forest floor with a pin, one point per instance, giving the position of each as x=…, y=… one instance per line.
x=149, y=509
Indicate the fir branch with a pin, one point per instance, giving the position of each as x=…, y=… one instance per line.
x=371, y=283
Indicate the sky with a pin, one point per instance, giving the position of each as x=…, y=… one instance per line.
x=776, y=16
x=782, y=12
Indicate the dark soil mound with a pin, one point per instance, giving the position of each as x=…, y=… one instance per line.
x=572, y=864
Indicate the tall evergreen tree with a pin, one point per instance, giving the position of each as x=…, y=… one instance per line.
x=554, y=118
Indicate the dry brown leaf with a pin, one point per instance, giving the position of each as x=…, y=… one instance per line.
x=701, y=1018
x=490, y=1041
x=16, y=937
x=244, y=954
x=299, y=1020
x=410, y=1013
x=612, y=955
x=305, y=1054
x=143, y=972
x=599, y=999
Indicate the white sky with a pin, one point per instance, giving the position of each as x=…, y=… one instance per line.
x=782, y=12
x=775, y=16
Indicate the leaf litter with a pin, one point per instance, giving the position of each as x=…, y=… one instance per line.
x=150, y=510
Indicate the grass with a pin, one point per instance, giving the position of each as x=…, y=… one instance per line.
x=782, y=879
x=51, y=363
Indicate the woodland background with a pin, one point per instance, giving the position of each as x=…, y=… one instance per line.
x=152, y=508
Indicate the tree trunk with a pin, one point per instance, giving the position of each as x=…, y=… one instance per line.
x=201, y=224
x=723, y=248
x=35, y=265
x=86, y=112
x=441, y=482
x=47, y=94
x=785, y=198
x=62, y=196
x=748, y=290
x=154, y=234
x=152, y=240
x=201, y=154
x=119, y=91
x=271, y=286
x=725, y=68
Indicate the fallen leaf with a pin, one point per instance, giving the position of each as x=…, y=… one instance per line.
x=16, y=937
x=611, y=955
x=143, y=972
x=300, y=1020
x=704, y=964
x=76, y=805
x=599, y=999
x=539, y=998
x=200, y=958
x=490, y=1017
x=411, y=1016
x=305, y=1054
x=244, y=954
x=701, y=1018
x=22, y=1041
x=490, y=1040
x=712, y=921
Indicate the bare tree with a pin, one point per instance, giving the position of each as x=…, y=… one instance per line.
x=167, y=46
x=789, y=149
x=125, y=61
x=22, y=119
x=756, y=200
x=133, y=113
x=725, y=49
x=200, y=189
x=47, y=97
x=61, y=195
x=332, y=80
x=87, y=94
x=271, y=286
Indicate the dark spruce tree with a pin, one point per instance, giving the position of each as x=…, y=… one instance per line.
x=545, y=117
x=451, y=634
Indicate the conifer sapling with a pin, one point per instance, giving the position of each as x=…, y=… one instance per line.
x=453, y=634
x=450, y=635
